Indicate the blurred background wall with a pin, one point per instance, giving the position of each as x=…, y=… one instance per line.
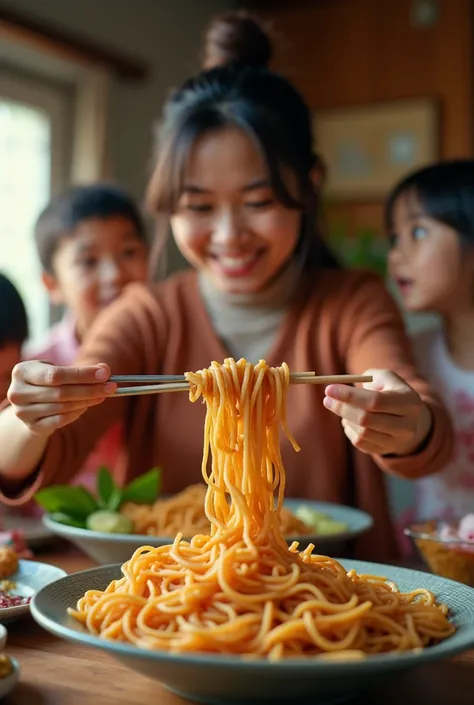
x=83, y=83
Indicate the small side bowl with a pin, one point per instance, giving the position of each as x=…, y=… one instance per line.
x=3, y=637
x=448, y=557
x=9, y=682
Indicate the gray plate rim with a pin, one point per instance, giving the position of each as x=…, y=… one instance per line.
x=456, y=644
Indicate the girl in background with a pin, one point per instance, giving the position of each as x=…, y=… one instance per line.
x=430, y=219
x=234, y=179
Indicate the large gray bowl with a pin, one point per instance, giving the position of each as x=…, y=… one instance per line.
x=117, y=548
x=226, y=680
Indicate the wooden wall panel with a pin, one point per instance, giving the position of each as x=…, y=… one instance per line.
x=354, y=52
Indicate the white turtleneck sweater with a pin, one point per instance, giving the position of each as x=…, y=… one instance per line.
x=248, y=324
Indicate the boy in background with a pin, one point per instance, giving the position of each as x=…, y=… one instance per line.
x=91, y=242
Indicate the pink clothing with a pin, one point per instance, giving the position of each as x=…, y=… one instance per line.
x=61, y=348
x=60, y=345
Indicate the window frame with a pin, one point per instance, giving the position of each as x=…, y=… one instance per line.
x=35, y=92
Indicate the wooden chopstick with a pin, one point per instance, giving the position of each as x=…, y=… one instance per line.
x=152, y=379
x=310, y=378
x=158, y=379
x=333, y=379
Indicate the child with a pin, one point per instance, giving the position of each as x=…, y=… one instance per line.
x=430, y=218
x=13, y=331
x=234, y=178
x=91, y=243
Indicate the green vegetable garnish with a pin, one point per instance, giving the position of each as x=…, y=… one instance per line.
x=319, y=521
x=76, y=502
x=68, y=520
x=328, y=527
x=142, y=488
x=75, y=506
x=109, y=522
x=105, y=487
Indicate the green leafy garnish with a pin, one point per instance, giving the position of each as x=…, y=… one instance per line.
x=62, y=518
x=142, y=488
x=73, y=505
x=76, y=502
x=105, y=487
x=115, y=500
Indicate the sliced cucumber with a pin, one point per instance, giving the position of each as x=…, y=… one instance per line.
x=320, y=522
x=109, y=522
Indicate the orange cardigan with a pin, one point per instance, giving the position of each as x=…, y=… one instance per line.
x=340, y=322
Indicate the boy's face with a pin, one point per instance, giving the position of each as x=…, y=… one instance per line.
x=93, y=264
x=10, y=355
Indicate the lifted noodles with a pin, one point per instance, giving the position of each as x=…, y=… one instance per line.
x=241, y=590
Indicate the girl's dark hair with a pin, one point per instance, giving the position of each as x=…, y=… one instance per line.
x=267, y=107
x=13, y=319
x=444, y=191
x=72, y=207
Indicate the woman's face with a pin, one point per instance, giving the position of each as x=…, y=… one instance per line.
x=426, y=261
x=228, y=223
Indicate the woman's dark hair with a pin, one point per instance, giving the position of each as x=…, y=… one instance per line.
x=72, y=207
x=13, y=319
x=237, y=37
x=444, y=192
x=267, y=107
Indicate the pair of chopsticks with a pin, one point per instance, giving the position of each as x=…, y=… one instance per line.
x=158, y=384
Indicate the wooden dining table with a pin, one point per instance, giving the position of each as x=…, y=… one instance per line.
x=57, y=672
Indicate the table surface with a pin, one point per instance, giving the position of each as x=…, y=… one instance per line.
x=55, y=672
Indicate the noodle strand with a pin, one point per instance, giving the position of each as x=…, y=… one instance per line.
x=239, y=588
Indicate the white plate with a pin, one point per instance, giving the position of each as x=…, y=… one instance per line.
x=30, y=577
x=117, y=548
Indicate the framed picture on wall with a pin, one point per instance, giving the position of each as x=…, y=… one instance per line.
x=368, y=148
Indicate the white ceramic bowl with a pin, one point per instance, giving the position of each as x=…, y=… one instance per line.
x=106, y=548
x=7, y=684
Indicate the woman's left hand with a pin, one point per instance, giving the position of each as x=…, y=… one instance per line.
x=385, y=417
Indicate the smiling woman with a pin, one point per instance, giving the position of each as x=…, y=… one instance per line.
x=235, y=178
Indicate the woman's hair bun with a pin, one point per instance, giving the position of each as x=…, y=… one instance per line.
x=237, y=38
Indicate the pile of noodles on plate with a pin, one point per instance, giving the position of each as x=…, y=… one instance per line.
x=239, y=588
x=184, y=513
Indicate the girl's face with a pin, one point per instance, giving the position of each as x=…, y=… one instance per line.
x=228, y=223
x=426, y=261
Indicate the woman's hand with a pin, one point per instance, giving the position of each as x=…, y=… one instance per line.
x=46, y=397
x=385, y=417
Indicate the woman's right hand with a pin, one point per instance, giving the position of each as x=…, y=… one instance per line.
x=46, y=397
